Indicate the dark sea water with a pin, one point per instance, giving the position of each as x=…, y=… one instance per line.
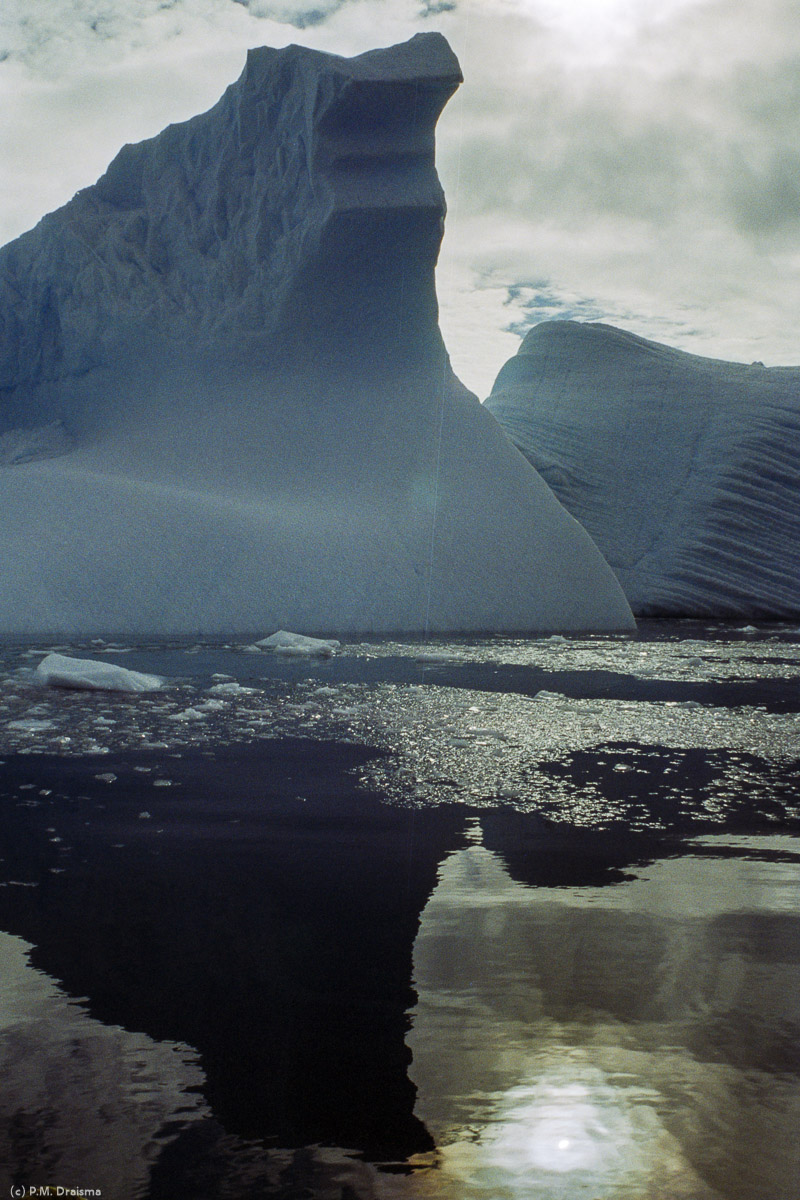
x=498, y=919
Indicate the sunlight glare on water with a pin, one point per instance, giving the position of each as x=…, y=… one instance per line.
x=607, y=1043
x=564, y=1134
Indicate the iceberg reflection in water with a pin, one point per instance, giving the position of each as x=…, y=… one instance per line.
x=82, y=1104
x=623, y=1042
x=503, y=920
x=631, y=1041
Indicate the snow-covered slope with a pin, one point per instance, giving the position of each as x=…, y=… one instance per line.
x=236, y=330
x=685, y=470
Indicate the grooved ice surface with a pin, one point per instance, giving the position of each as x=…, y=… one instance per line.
x=236, y=328
x=685, y=470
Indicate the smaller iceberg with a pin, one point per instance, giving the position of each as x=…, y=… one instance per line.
x=85, y=674
x=683, y=470
x=297, y=645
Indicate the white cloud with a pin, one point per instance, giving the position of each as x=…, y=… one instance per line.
x=657, y=189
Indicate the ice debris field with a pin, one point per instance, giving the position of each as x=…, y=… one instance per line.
x=493, y=721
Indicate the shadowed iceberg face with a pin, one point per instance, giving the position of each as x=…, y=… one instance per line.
x=301, y=216
x=685, y=470
x=237, y=326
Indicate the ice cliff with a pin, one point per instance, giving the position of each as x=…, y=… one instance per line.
x=685, y=470
x=234, y=336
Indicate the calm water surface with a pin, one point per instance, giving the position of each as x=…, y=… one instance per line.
x=500, y=919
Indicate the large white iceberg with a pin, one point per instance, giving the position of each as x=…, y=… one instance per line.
x=685, y=470
x=237, y=329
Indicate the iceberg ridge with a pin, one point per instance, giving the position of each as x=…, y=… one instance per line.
x=685, y=470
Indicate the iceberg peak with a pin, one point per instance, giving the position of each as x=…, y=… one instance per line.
x=237, y=328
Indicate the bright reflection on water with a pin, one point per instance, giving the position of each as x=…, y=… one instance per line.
x=635, y=1041
x=565, y=1134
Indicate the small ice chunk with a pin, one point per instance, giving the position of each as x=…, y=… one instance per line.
x=144, y=816
x=488, y=733
x=31, y=725
x=297, y=644
x=545, y=695
x=107, y=777
x=84, y=674
x=188, y=714
x=231, y=689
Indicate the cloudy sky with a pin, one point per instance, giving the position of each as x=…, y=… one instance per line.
x=630, y=161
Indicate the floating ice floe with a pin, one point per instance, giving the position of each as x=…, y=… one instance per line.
x=188, y=714
x=84, y=674
x=30, y=725
x=298, y=645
